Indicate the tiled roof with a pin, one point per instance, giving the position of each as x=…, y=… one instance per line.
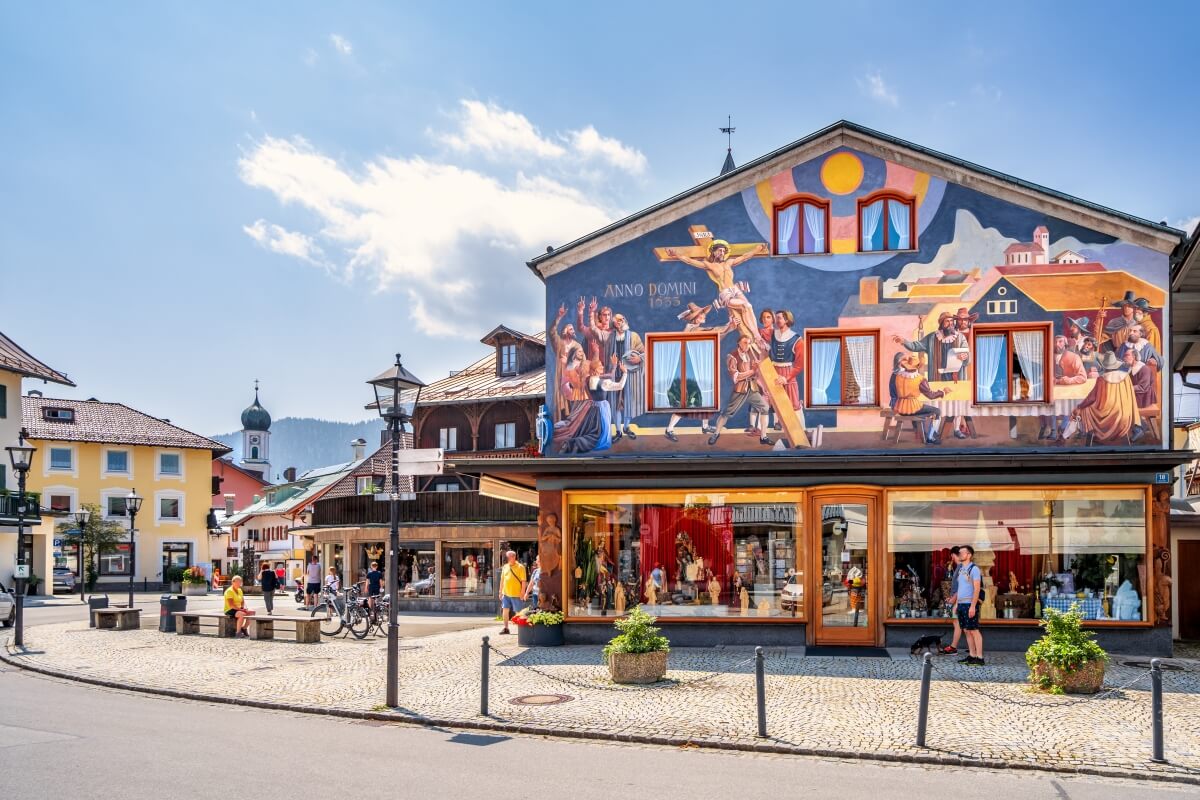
x=1065, y=291
x=294, y=496
x=109, y=423
x=14, y=358
x=378, y=463
x=1048, y=269
x=1024, y=247
x=480, y=382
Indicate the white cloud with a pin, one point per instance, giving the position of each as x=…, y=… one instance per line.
x=455, y=239
x=341, y=44
x=1187, y=225
x=278, y=239
x=874, y=86
x=588, y=143
x=495, y=132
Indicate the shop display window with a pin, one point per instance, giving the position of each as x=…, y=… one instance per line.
x=735, y=555
x=467, y=570
x=1036, y=549
x=418, y=570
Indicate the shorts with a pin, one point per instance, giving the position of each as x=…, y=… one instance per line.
x=232, y=612
x=966, y=622
x=513, y=604
x=312, y=588
x=374, y=592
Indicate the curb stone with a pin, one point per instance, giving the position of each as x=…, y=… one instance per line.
x=933, y=758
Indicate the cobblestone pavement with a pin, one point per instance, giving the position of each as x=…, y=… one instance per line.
x=834, y=706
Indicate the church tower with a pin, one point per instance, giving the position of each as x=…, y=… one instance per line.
x=256, y=438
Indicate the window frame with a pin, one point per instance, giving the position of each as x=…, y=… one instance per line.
x=507, y=367
x=1047, y=331
x=104, y=465
x=444, y=438
x=840, y=333
x=507, y=426
x=158, y=470
x=62, y=449
x=683, y=337
x=177, y=496
x=888, y=195
x=800, y=199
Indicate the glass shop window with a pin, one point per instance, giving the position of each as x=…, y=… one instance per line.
x=467, y=570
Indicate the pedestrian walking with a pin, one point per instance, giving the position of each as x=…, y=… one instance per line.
x=952, y=648
x=966, y=602
x=313, y=587
x=235, y=605
x=532, y=589
x=269, y=582
x=512, y=587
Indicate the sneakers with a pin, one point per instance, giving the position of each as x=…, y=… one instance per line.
x=949, y=650
x=971, y=661
x=671, y=435
x=713, y=439
x=965, y=659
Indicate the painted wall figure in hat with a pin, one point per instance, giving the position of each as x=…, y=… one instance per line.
x=1135, y=339
x=742, y=367
x=719, y=267
x=908, y=387
x=1117, y=329
x=1089, y=354
x=1077, y=328
x=1142, y=316
x=939, y=346
x=1109, y=413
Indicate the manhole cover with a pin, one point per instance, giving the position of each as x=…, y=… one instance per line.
x=541, y=699
x=1146, y=665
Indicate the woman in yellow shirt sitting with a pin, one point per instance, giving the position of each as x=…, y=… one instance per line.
x=235, y=605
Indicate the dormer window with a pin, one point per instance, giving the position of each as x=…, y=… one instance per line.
x=886, y=221
x=508, y=359
x=59, y=414
x=802, y=226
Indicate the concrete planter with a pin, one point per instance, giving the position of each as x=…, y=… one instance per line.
x=637, y=667
x=195, y=589
x=175, y=587
x=1086, y=680
x=540, y=635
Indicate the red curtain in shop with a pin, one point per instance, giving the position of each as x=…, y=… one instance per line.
x=959, y=523
x=711, y=532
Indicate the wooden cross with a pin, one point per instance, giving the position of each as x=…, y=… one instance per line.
x=701, y=238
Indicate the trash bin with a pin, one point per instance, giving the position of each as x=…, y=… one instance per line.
x=168, y=605
x=94, y=603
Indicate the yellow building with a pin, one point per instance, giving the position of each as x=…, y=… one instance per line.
x=90, y=452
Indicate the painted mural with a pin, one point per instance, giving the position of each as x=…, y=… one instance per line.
x=852, y=303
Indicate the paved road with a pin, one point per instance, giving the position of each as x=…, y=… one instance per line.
x=59, y=739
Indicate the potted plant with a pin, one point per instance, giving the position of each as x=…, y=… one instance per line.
x=539, y=628
x=173, y=577
x=638, y=654
x=194, y=581
x=1066, y=658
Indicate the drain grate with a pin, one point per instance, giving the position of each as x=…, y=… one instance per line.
x=1146, y=665
x=540, y=699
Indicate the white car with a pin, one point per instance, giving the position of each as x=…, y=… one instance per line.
x=8, y=607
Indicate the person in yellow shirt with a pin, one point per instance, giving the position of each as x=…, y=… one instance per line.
x=512, y=587
x=235, y=605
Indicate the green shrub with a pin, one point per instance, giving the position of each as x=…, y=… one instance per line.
x=1065, y=644
x=545, y=618
x=637, y=635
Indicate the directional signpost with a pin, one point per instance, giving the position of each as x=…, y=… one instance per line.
x=426, y=461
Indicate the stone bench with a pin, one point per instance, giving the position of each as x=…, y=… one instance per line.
x=260, y=626
x=120, y=619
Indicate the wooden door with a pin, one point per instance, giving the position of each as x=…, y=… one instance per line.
x=847, y=565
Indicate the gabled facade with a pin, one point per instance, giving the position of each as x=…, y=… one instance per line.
x=781, y=396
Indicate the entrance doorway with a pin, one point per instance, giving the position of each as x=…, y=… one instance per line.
x=845, y=555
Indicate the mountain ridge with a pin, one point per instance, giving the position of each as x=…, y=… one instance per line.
x=307, y=442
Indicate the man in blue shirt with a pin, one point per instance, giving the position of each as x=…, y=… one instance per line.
x=966, y=603
x=374, y=583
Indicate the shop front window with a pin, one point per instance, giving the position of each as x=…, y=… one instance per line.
x=368, y=552
x=418, y=566
x=1036, y=549
x=176, y=555
x=736, y=555
x=115, y=561
x=467, y=570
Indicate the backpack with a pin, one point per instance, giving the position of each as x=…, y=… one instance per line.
x=982, y=589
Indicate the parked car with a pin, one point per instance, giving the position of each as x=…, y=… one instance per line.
x=8, y=607
x=791, y=596
x=64, y=580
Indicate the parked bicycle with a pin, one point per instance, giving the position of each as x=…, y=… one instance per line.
x=338, y=614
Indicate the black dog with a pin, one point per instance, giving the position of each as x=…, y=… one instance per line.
x=929, y=644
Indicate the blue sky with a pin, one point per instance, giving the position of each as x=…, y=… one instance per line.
x=198, y=195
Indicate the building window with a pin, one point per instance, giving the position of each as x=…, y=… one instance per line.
x=368, y=484
x=508, y=359
x=1050, y=548
x=997, y=308
x=253, y=453
x=1010, y=364
x=116, y=461
x=506, y=435
x=58, y=414
x=448, y=438
x=169, y=464
x=886, y=222
x=467, y=570
x=2, y=485
x=802, y=227
x=842, y=368
x=176, y=554
x=114, y=507
x=116, y=562
x=447, y=487
x=169, y=509
x=683, y=372
x=62, y=458
x=728, y=555
x=60, y=503
x=3, y=402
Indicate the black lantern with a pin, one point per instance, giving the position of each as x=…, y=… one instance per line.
x=396, y=392
x=82, y=515
x=21, y=456
x=133, y=504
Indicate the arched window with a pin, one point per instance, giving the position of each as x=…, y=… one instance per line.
x=801, y=226
x=254, y=453
x=886, y=221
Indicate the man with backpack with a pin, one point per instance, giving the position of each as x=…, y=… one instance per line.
x=968, y=583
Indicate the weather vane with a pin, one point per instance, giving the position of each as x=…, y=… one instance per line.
x=728, y=130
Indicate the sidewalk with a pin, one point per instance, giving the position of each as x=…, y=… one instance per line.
x=860, y=707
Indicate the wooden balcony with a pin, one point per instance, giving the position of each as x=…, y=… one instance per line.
x=8, y=508
x=429, y=507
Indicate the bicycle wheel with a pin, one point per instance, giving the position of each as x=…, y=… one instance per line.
x=360, y=622
x=331, y=622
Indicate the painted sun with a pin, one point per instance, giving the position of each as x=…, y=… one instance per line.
x=842, y=173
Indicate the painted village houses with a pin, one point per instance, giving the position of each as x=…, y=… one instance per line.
x=775, y=401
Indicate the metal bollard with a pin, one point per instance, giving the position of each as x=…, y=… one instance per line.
x=923, y=712
x=483, y=680
x=1156, y=711
x=760, y=688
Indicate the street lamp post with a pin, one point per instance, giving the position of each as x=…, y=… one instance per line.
x=133, y=504
x=81, y=520
x=21, y=458
x=396, y=393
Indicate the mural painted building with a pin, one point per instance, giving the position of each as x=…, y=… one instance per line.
x=776, y=400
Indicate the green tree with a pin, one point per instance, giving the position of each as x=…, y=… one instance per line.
x=99, y=536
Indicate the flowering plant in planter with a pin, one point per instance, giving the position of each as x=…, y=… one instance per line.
x=194, y=575
x=1066, y=658
x=539, y=628
x=527, y=617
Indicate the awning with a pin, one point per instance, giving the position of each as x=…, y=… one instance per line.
x=490, y=486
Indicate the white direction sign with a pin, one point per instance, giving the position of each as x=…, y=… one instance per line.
x=423, y=461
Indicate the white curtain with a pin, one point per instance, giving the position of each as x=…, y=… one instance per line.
x=785, y=229
x=666, y=371
x=701, y=364
x=989, y=356
x=870, y=223
x=862, y=361
x=1031, y=354
x=814, y=224
x=825, y=354
x=900, y=215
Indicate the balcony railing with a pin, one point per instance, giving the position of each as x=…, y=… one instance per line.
x=430, y=507
x=8, y=508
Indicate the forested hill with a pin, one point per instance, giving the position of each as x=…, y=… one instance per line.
x=305, y=443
